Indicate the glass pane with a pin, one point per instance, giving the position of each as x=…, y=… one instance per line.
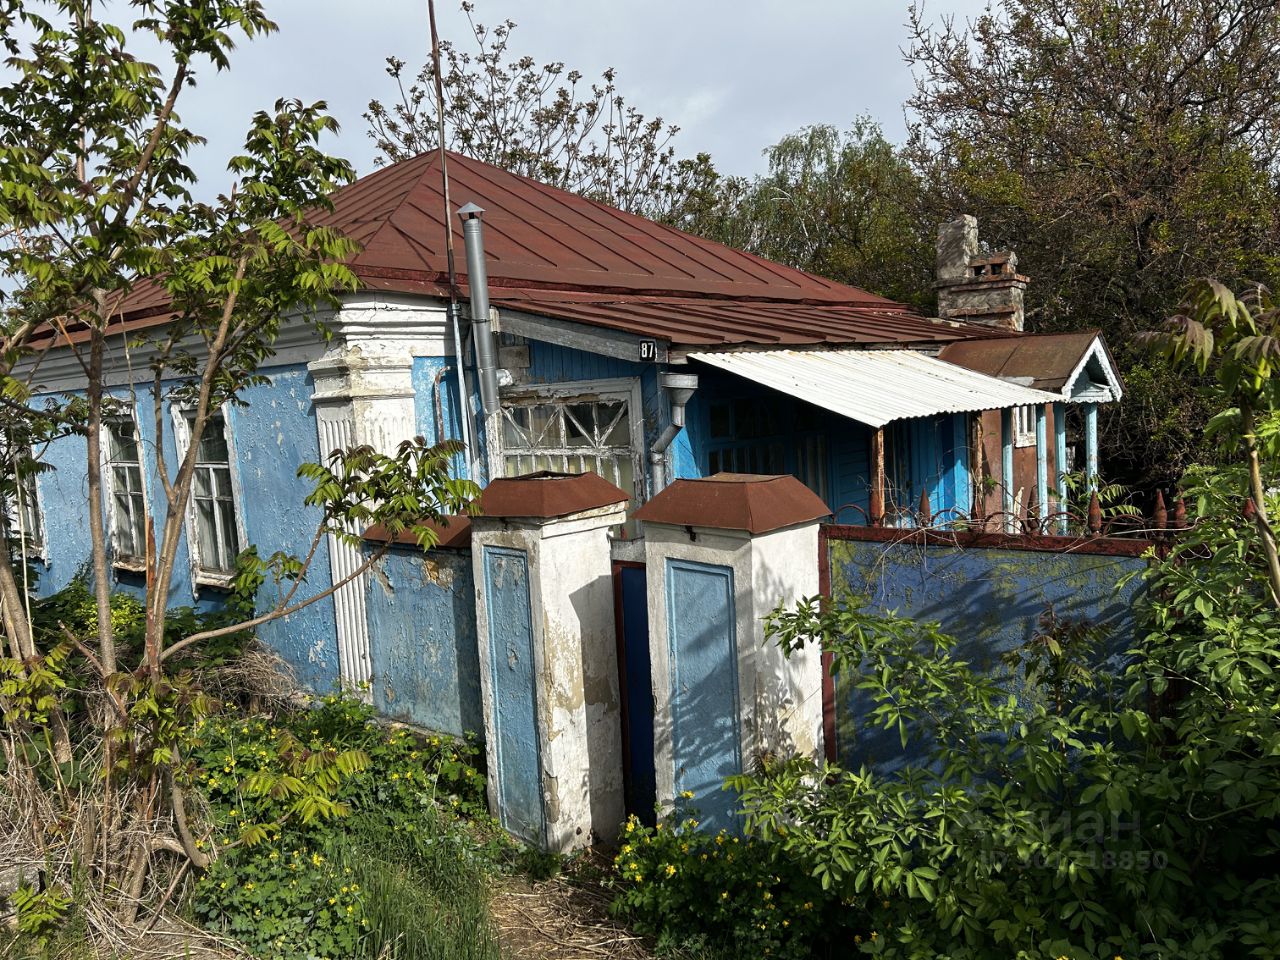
x=203, y=486
x=213, y=443
x=139, y=527
x=721, y=421
x=222, y=482
x=123, y=441
x=580, y=424
x=206, y=533
x=230, y=542
x=744, y=420
x=620, y=433
x=515, y=426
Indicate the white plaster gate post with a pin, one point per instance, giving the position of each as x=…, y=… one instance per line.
x=548, y=656
x=721, y=553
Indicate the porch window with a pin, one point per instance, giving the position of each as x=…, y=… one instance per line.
x=213, y=528
x=769, y=436
x=571, y=434
x=1024, y=426
x=126, y=494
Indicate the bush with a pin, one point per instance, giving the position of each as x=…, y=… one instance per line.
x=728, y=894
x=321, y=816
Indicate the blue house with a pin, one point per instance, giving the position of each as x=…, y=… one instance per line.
x=611, y=344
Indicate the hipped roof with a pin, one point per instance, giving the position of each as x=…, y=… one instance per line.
x=554, y=254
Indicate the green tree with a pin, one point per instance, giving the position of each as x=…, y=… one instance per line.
x=1119, y=146
x=841, y=204
x=1105, y=815
x=95, y=200
x=542, y=122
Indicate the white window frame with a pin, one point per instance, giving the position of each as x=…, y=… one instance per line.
x=131, y=563
x=35, y=549
x=202, y=576
x=627, y=389
x=1024, y=426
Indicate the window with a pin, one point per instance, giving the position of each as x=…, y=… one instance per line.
x=126, y=495
x=1024, y=426
x=572, y=434
x=748, y=436
x=23, y=515
x=213, y=530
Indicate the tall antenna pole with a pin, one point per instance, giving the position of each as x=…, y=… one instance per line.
x=464, y=395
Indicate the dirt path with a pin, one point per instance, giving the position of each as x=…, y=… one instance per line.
x=560, y=919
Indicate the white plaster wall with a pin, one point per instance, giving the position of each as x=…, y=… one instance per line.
x=575, y=665
x=581, y=653
x=788, y=690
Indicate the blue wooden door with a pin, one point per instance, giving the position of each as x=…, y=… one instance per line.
x=518, y=777
x=637, y=689
x=706, y=742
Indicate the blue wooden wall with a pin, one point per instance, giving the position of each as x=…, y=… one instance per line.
x=991, y=600
x=422, y=634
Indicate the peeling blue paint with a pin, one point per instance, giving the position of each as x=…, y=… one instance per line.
x=518, y=778
x=422, y=636
x=991, y=600
x=272, y=435
x=706, y=741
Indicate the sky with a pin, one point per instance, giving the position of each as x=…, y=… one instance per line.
x=734, y=75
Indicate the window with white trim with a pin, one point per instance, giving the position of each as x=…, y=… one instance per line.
x=1024, y=426
x=126, y=494
x=213, y=527
x=23, y=514
x=594, y=431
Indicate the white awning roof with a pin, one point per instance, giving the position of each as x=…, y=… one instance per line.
x=876, y=387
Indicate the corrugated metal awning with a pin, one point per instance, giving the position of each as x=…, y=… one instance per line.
x=876, y=387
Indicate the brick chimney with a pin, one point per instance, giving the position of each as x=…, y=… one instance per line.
x=973, y=288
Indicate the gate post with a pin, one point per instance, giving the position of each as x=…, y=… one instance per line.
x=721, y=553
x=548, y=660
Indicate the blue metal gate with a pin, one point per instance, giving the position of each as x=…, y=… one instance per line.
x=518, y=777
x=706, y=740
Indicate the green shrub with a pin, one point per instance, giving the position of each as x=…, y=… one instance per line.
x=731, y=895
x=320, y=815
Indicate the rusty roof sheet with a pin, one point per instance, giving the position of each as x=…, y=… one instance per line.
x=545, y=495
x=735, y=501
x=555, y=254
x=1048, y=359
x=453, y=533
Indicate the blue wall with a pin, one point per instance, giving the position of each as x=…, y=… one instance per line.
x=422, y=630
x=550, y=363
x=273, y=435
x=933, y=451
x=989, y=599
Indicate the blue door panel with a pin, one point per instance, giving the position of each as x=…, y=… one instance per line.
x=704, y=672
x=637, y=681
x=515, y=723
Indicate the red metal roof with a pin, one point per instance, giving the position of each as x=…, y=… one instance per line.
x=1048, y=359
x=546, y=494
x=735, y=501
x=555, y=254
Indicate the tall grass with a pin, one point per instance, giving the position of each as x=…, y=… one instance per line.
x=426, y=892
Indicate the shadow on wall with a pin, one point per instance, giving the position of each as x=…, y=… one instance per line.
x=593, y=605
x=990, y=600
x=422, y=627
